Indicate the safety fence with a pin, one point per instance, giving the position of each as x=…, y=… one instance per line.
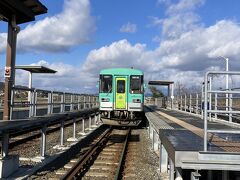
x=231, y=94
x=33, y=102
x=194, y=103
x=211, y=104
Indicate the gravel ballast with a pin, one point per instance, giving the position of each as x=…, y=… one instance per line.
x=146, y=160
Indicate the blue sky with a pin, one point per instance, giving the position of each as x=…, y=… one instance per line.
x=165, y=38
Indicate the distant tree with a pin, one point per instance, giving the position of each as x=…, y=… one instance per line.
x=156, y=93
x=194, y=89
x=180, y=89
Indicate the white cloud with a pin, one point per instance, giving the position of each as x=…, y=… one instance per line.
x=73, y=26
x=3, y=40
x=118, y=54
x=180, y=18
x=187, y=49
x=128, y=28
x=183, y=59
x=84, y=78
x=156, y=39
x=155, y=21
x=183, y=6
x=156, y=64
x=167, y=2
x=67, y=78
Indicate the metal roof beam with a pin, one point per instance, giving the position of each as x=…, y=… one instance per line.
x=21, y=8
x=24, y=10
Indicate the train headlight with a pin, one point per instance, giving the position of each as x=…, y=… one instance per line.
x=105, y=99
x=136, y=100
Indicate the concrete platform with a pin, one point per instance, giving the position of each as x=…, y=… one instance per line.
x=13, y=126
x=181, y=135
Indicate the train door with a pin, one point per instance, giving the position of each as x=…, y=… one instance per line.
x=121, y=95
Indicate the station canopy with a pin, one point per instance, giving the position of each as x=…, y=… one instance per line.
x=160, y=82
x=24, y=10
x=35, y=69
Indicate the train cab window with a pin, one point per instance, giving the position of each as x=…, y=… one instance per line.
x=105, y=83
x=120, y=86
x=136, y=84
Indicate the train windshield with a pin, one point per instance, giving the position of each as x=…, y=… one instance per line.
x=136, y=84
x=105, y=83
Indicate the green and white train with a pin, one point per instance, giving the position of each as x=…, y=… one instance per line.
x=121, y=96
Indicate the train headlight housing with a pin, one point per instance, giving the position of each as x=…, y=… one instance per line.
x=136, y=100
x=105, y=99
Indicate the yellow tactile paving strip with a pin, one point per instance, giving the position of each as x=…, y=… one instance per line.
x=222, y=143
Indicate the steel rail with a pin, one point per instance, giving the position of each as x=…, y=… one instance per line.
x=74, y=172
x=118, y=174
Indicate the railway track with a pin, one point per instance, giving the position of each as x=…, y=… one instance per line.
x=103, y=154
x=102, y=159
x=130, y=168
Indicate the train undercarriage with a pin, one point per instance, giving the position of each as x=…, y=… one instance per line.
x=122, y=118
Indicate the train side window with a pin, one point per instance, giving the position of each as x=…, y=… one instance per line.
x=136, y=84
x=105, y=83
x=120, y=86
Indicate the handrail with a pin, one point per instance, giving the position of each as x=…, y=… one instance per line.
x=208, y=92
x=51, y=99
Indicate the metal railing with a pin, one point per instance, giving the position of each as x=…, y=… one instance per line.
x=229, y=110
x=210, y=104
x=191, y=103
x=40, y=102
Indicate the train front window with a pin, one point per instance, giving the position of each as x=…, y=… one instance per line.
x=136, y=84
x=120, y=86
x=105, y=83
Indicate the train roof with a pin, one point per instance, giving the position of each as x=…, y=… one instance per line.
x=121, y=71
